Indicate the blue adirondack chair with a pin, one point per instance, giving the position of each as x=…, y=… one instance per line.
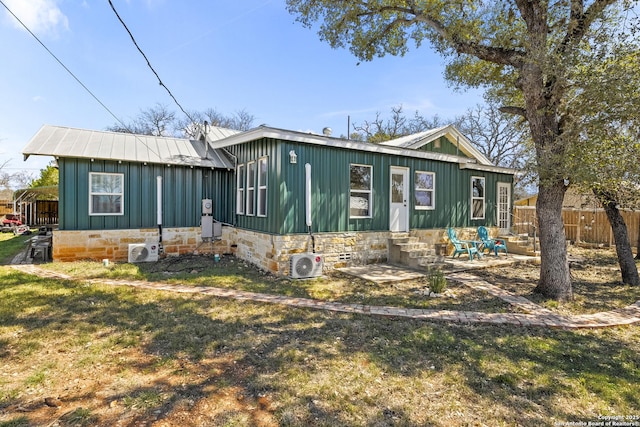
x=490, y=244
x=462, y=247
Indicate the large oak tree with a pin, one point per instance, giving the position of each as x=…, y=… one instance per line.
x=606, y=134
x=522, y=50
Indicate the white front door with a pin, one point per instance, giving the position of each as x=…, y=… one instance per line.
x=504, y=207
x=399, y=199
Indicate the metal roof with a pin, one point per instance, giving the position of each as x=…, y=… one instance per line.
x=477, y=160
x=58, y=141
x=420, y=139
x=215, y=133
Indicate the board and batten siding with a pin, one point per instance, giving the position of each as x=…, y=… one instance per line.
x=446, y=147
x=330, y=189
x=183, y=191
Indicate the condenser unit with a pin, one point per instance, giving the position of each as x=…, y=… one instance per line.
x=143, y=252
x=303, y=266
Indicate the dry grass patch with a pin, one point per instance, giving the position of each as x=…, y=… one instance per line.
x=200, y=270
x=123, y=356
x=597, y=284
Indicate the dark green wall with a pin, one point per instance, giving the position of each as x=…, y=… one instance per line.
x=185, y=187
x=183, y=190
x=330, y=189
x=446, y=147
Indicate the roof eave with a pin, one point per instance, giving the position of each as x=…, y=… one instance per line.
x=488, y=168
x=273, y=133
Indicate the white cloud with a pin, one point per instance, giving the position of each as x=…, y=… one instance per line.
x=40, y=16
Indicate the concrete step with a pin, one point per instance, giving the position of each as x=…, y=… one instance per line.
x=522, y=244
x=410, y=251
x=423, y=261
x=411, y=246
x=416, y=253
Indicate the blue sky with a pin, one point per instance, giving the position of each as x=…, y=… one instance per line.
x=248, y=54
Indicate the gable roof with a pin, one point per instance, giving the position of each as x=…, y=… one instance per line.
x=58, y=141
x=418, y=140
x=394, y=147
x=215, y=133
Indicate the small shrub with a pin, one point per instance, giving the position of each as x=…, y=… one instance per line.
x=21, y=421
x=81, y=417
x=145, y=400
x=437, y=281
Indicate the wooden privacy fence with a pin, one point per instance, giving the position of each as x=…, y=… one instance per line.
x=580, y=225
x=6, y=207
x=42, y=212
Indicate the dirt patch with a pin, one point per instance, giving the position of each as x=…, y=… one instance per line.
x=596, y=282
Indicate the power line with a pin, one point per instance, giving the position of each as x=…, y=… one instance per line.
x=63, y=66
x=77, y=79
x=149, y=63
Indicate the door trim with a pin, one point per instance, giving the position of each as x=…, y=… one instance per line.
x=402, y=208
x=499, y=211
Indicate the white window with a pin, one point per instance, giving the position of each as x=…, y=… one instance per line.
x=106, y=193
x=477, y=197
x=424, y=191
x=360, y=179
x=251, y=188
x=240, y=190
x=262, y=187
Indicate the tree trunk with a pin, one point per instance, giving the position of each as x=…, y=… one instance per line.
x=638, y=245
x=620, y=234
x=555, y=279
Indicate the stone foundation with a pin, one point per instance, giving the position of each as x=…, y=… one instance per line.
x=272, y=253
x=114, y=244
x=269, y=252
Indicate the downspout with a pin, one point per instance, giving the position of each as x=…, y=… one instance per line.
x=235, y=171
x=307, y=203
x=159, y=212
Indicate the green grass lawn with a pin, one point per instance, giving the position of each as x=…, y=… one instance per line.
x=10, y=246
x=117, y=355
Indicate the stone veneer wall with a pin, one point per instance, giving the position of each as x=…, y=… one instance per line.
x=440, y=235
x=269, y=252
x=114, y=244
x=273, y=253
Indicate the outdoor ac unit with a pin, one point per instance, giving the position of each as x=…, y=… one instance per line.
x=143, y=252
x=305, y=265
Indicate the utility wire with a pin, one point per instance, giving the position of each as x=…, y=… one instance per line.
x=124, y=126
x=149, y=63
x=65, y=67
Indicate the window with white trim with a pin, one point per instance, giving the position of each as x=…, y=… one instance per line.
x=106, y=193
x=424, y=190
x=360, y=194
x=477, y=197
x=262, y=187
x=251, y=188
x=240, y=190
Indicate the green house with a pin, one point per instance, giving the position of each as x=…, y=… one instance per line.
x=275, y=195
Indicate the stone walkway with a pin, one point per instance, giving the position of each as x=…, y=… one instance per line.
x=534, y=314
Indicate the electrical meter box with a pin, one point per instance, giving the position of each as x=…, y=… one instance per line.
x=207, y=207
x=206, y=227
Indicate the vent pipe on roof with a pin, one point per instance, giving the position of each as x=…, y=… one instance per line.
x=206, y=142
x=327, y=131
